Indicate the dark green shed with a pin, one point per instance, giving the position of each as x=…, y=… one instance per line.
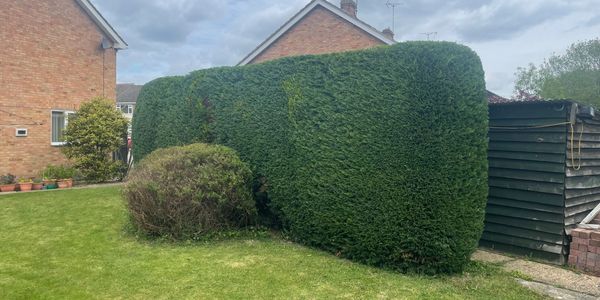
x=544, y=176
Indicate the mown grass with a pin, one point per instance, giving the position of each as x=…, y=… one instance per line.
x=73, y=245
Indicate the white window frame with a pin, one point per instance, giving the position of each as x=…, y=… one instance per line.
x=128, y=107
x=67, y=113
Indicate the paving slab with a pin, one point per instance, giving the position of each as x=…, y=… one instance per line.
x=555, y=292
x=543, y=273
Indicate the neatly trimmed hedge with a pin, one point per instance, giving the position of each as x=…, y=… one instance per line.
x=189, y=192
x=377, y=155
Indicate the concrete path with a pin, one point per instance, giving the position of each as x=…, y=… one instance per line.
x=554, y=281
x=554, y=292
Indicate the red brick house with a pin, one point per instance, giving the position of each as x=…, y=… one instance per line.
x=320, y=27
x=55, y=54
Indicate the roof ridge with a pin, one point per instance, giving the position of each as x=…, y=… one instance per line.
x=301, y=14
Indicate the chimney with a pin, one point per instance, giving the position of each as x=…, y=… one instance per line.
x=349, y=6
x=388, y=33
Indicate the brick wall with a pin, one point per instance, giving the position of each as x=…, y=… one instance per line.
x=585, y=250
x=319, y=32
x=51, y=59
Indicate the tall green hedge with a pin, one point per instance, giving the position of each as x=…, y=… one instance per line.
x=378, y=156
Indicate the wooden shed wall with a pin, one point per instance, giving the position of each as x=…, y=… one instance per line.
x=582, y=186
x=527, y=156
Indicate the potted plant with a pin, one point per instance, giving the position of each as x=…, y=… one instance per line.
x=25, y=184
x=38, y=184
x=69, y=173
x=62, y=184
x=61, y=175
x=49, y=177
x=7, y=183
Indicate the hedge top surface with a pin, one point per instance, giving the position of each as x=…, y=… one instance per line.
x=377, y=155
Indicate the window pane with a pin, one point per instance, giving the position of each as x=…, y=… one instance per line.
x=58, y=125
x=130, y=109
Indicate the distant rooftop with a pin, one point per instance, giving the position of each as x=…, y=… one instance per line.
x=128, y=92
x=495, y=99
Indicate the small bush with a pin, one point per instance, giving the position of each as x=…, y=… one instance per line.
x=58, y=172
x=93, y=133
x=188, y=192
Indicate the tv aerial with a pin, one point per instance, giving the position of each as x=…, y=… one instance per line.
x=430, y=34
x=393, y=6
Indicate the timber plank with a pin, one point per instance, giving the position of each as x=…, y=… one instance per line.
x=582, y=182
x=556, y=228
x=525, y=205
x=527, y=165
x=534, y=186
x=527, y=196
x=531, y=137
x=526, y=214
x=527, y=175
x=528, y=156
x=525, y=233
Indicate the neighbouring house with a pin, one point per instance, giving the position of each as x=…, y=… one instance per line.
x=544, y=176
x=55, y=55
x=127, y=95
x=320, y=27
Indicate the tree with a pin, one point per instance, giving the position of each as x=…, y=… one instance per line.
x=93, y=133
x=573, y=75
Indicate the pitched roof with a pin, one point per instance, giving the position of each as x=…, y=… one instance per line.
x=496, y=99
x=128, y=93
x=300, y=15
x=101, y=22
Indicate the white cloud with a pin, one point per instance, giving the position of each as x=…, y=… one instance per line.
x=169, y=37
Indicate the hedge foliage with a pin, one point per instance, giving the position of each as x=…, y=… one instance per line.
x=377, y=155
x=190, y=191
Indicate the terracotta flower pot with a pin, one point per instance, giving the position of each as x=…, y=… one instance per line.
x=8, y=187
x=62, y=184
x=69, y=182
x=25, y=187
x=37, y=186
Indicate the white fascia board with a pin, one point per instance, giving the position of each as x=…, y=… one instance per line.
x=299, y=16
x=91, y=10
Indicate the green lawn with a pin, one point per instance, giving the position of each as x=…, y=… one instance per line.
x=73, y=245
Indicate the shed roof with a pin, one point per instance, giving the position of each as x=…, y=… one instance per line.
x=305, y=11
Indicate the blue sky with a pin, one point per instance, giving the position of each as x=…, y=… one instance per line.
x=174, y=37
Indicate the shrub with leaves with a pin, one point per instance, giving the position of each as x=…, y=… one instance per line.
x=93, y=133
x=378, y=155
x=189, y=192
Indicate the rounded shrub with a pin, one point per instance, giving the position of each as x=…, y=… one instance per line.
x=187, y=192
